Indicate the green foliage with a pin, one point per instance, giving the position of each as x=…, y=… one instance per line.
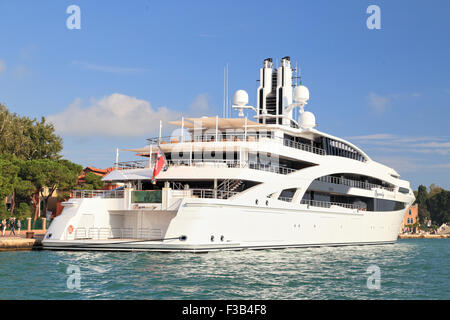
x=26, y=138
x=8, y=177
x=30, y=161
x=434, y=205
x=92, y=182
x=422, y=195
x=23, y=211
x=424, y=214
x=439, y=207
x=4, y=214
x=60, y=174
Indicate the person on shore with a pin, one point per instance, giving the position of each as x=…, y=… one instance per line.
x=12, y=225
x=3, y=227
x=19, y=225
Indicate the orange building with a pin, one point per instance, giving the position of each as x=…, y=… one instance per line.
x=411, y=216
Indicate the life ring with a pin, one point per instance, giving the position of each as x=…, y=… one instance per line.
x=70, y=229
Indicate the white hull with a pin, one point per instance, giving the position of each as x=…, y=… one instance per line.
x=242, y=227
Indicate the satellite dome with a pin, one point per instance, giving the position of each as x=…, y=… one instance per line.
x=240, y=98
x=307, y=120
x=301, y=94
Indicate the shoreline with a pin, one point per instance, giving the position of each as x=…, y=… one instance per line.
x=423, y=236
x=20, y=243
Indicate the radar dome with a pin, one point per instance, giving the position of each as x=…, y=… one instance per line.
x=307, y=120
x=301, y=94
x=240, y=98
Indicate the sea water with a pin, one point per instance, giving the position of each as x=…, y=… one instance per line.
x=408, y=269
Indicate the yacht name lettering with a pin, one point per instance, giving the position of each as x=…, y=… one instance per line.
x=199, y=310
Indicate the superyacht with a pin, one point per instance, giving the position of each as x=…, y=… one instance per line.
x=267, y=178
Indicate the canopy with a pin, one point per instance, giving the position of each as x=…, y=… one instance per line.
x=210, y=123
x=119, y=175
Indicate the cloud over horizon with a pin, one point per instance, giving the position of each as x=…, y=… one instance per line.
x=119, y=115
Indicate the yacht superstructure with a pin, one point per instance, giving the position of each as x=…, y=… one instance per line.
x=267, y=180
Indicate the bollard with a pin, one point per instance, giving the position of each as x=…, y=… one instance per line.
x=28, y=224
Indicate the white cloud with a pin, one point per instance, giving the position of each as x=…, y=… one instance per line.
x=378, y=102
x=200, y=106
x=377, y=136
x=2, y=66
x=114, y=115
x=394, y=146
x=108, y=69
x=119, y=115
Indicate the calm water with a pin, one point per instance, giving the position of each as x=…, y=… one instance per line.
x=409, y=269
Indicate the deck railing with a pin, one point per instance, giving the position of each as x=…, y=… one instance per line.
x=223, y=163
x=326, y=204
x=83, y=233
x=304, y=147
x=138, y=164
x=108, y=194
x=238, y=137
x=353, y=183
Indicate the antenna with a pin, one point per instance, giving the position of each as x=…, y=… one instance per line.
x=228, y=87
x=223, y=108
x=117, y=158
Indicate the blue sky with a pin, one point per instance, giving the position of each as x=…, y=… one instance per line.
x=387, y=91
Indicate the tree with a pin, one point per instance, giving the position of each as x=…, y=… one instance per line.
x=422, y=195
x=8, y=177
x=26, y=138
x=52, y=175
x=439, y=207
x=434, y=189
x=424, y=214
x=92, y=182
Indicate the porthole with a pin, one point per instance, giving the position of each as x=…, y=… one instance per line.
x=212, y=238
x=222, y=238
x=183, y=238
x=267, y=202
x=256, y=201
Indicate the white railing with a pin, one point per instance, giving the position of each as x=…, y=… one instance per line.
x=353, y=183
x=212, y=194
x=326, y=204
x=285, y=199
x=223, y=163
x=220, y=163
x=270, y=168
x=82, y=233
x=108, y=194
x=304, y=147
x=238, y=137
x=138, y=164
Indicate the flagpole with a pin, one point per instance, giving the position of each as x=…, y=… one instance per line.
x=117, y=158
x=160, y=131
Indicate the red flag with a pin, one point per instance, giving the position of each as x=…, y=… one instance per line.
x=159, y=165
